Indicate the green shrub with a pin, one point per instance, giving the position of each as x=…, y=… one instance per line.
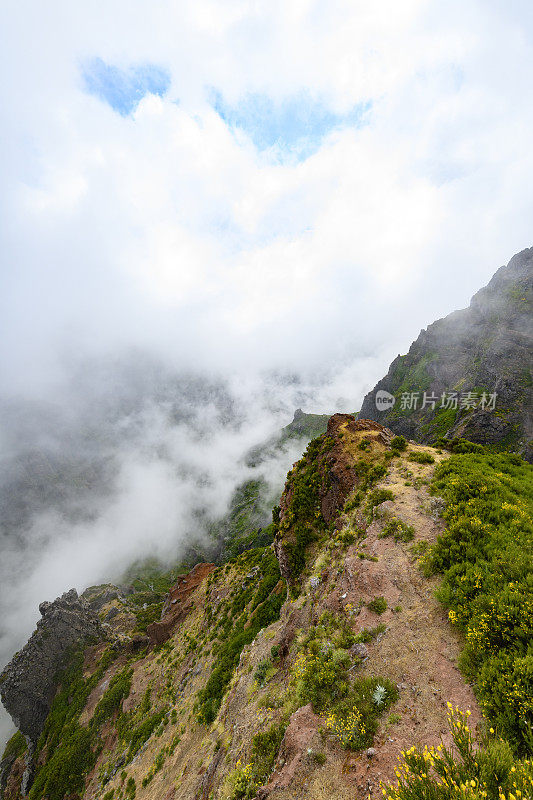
x=367, y=634
x=354, y=501
x=346, y=538
x=400, y=530
x=262, y=670
x=486, y=557
x=378, y=605
x=376, y=497
x=321, y=676
x=464, y=771
x=459, y=446
x=265, y=749
x=399, y=443
x=354, y=720
x=421, y=458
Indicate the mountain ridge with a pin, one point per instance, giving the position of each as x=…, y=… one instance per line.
x=483, y=349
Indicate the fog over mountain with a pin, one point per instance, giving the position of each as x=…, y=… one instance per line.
x=128, y=459
x=212, y=214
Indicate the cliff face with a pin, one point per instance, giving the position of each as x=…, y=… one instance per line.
x=29, y=682
x=486, y=348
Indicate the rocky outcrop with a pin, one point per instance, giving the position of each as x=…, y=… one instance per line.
x=177, y=605
x=29, y=682
x=485, y=348
x=322, y=481
x=300, y=740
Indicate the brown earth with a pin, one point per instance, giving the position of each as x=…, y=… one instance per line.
x=178, y=603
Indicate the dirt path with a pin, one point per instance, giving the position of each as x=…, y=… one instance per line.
x=419, y=649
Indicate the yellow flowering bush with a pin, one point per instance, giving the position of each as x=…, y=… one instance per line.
x=349, y=728
x=464, y=772
x=242, y=783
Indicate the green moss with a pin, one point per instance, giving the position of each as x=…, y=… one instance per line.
x=15, y=747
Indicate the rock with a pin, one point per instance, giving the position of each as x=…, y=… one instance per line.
x=29, y=682
x=177, y=605
x=359, y=650
x=206, y=783
x=371, y=752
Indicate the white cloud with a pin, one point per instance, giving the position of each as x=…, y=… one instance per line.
x=167, y=215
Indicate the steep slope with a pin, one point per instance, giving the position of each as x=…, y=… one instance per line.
x=302, y=668
x=484, y=349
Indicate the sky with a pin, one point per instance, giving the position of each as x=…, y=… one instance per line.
x=279, y=195
x=255, y=185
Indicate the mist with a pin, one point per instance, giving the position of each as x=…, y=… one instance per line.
x=211, y=217
x=128, y=459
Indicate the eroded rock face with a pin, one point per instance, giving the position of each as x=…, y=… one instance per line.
x=300, y=740
x=177, y=604
x=29, y=682
x=337, y=477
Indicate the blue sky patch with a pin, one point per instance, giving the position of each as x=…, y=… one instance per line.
x=293, y=129
x=123, y=89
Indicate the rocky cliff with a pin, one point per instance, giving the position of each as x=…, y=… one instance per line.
x=29, y=682
x=469, y=356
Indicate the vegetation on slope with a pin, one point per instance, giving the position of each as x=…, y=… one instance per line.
x=72, y=749
x=252, y=606
x=486, y=557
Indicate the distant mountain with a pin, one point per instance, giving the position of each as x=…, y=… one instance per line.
x=480, y=358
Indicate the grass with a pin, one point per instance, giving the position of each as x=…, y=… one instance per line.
x=400, y=530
